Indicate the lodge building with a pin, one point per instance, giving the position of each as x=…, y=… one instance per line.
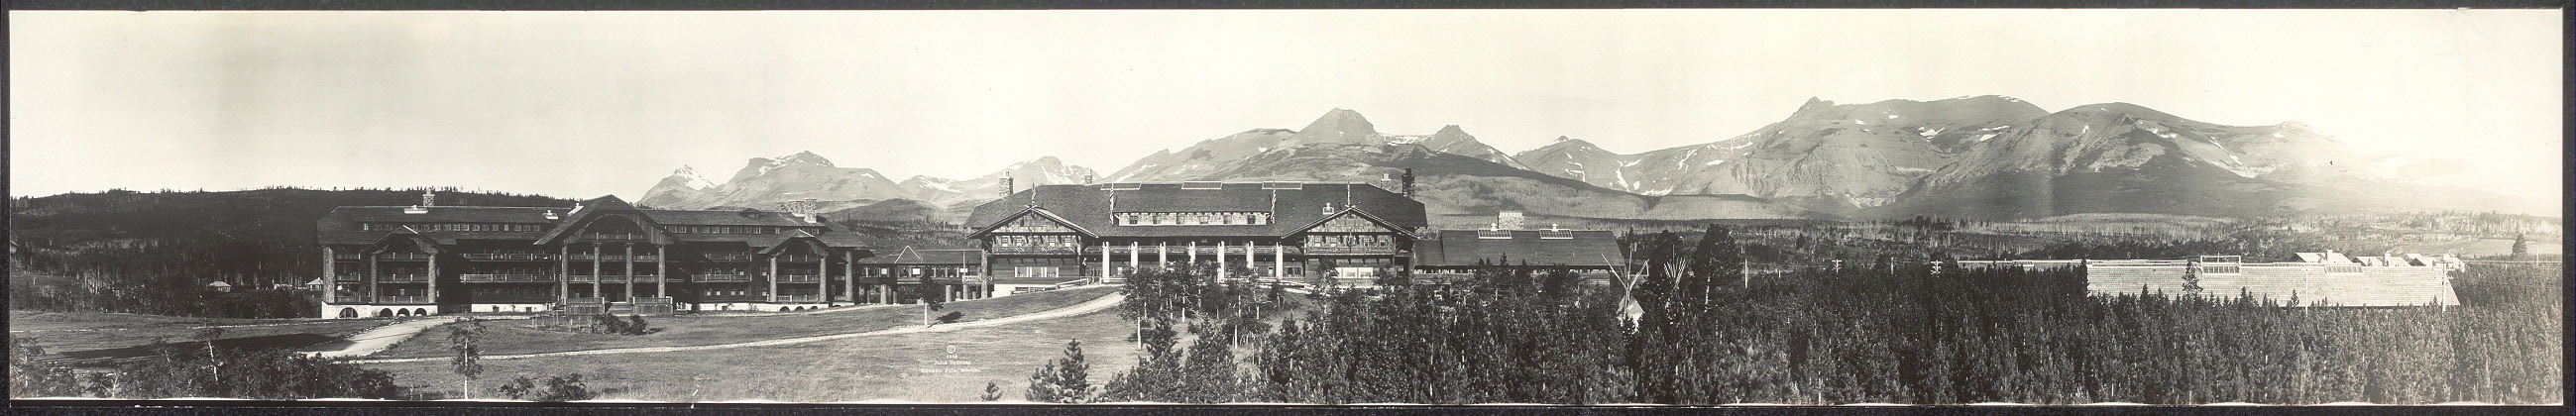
x=599, y=255
x=1297, y=231
x=1592, y=255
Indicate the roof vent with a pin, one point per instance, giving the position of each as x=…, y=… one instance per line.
x=550, y=214
x=416, y=209
x=1328, y=208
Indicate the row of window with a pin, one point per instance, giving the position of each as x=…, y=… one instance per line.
x=1193, y=218
x=718, y=229
x=1032, y=223
x=425, y=227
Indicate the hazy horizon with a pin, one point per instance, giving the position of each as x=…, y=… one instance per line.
x=579, y=104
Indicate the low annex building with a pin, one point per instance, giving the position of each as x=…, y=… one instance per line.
x=600, y=255
x=2326, y=279
x=1592, y=254
x=1292, y=230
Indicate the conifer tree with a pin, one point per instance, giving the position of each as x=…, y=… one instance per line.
x=1064, y=380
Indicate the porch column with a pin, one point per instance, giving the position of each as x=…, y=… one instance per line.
x=662, y=271
x=1134, y=254
x=630, y=271
x=1250, y=260
x=1279, y=260
x=594, y=270
x=822, y=267
x=773, y=277
x=850, y=275
x=373, y=291
x=1104, y=262
x=330, y=278
x=433, y=277
x=1163, y=253
x=563, y=273
x=1194, y=253
x=1220, y=259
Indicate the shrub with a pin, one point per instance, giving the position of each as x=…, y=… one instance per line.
x=561, y=388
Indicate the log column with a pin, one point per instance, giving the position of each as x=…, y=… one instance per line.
x=773, y=277
x=1279, y=260
x=1220, y=259
x=850, y=275
x=594, y=270
x=433, y=277
x=661, y=271
x=330, y=279
x=1104, y=262
x=822, y=267
x=374, y=291
x=629, y=273
x=563, y=273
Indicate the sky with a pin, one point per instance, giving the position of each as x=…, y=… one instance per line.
x=580, y=104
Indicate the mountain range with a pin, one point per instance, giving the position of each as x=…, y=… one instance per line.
x=1986, y=157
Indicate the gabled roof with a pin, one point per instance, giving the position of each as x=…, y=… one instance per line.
x=1592, y=248
x=911, y=255
x=346, y=225
x=407, y=235
x=1027, y=211
x=1353, y=212
x=1090, y=207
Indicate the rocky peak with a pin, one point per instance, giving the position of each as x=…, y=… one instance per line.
x=1338, y=126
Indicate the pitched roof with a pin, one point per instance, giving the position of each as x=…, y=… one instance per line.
x=1594, y=248
x=345, y=225
x=911, y=255
x=1090, y=206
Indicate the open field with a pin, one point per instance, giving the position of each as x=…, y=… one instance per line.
x=515, y=337
x=888, y=367
x=78, y=331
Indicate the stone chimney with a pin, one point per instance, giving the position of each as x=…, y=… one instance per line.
x=428, y=198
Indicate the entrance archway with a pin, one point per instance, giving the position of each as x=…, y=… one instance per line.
x=348, y=312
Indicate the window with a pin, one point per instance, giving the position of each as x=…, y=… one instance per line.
x=2218, y=269
x=2343, y=269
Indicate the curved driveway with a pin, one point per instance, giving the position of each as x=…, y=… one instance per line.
x=1104, y=302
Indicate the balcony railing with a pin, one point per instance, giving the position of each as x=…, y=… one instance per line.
x=724, y=278
x=613, y=236
x=508, y=256
x=799, y=278
x=504, y=278
x=600, y=257
x=402, y=256
x=1035, y=249
x=798, y=258
x=402, y=278
x=647, y=257
x=348, y=256
x=1351, y=250
x=800, y=298
x=350, y=277
x=406, y=300
x=732, y=298
x=729, y=257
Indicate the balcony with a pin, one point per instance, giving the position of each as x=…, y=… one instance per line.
x=800, y=278
x=1351, y=250
x=504, y=278
x=403, y=300
x=612, y=237
x=799, y=258
x=728, y=257
x=508, y=256
x=724, y=278
x=348, y=256
x=402, y=278
x=600, y=257
x=402, y=256
x=350, y=278
x=1035, y=250
x=800, y=299
x=647, y=257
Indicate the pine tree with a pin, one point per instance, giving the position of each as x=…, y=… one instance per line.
x=465, y=341
x=1064, y=380
x=2520, y=248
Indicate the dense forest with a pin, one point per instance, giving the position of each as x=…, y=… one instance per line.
x=1892, y=333
x=154, y=253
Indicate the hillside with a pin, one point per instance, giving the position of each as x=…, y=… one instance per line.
x=151, y=252
x=764, y=182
